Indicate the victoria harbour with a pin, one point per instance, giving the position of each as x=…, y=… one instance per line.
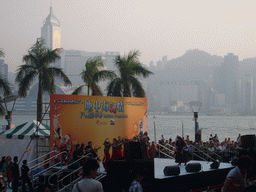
x=171, y=125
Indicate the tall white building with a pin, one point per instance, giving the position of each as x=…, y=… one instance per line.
x=51, y=31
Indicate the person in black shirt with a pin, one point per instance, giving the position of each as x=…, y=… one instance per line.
x=15, y=174
x=25, y=177
x=90, y=149
x=76, y=153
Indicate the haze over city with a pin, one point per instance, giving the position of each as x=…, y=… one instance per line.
x=156, y=28
x=197, y=50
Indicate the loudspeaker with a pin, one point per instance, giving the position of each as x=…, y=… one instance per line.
x=193, y=167
x=234, y=161
x=135, y=150
x=248, y=141
x=171, y=170
x=215, y=164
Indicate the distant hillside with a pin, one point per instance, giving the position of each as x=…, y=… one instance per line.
x=193, y=64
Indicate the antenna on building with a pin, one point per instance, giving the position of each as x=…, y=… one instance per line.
x=51, y=6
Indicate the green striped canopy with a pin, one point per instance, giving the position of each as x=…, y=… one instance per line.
x=28, y=129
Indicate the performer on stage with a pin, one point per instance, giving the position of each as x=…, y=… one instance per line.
x=181, y=154
x=114, y=150
x=119, y=147
x=106, y=159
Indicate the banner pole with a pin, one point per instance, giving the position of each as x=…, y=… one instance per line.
x=155, y=130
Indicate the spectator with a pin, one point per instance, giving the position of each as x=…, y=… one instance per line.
x=15, y=174
x=239, y=138
x=2, y=187
x=76, y=153
x=210, y=138
x=188, y=140
x=153, y=150
x=25, y=176
x=162, y=138
x=88, y=183
x=216, y=137
x=236, y=178
x=139, y=173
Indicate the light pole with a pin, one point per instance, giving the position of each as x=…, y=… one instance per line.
x=195, y=106
x=9, y=109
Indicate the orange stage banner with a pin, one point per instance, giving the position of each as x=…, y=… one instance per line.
x=80, y=119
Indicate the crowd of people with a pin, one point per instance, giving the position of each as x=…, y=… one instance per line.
x=10, y=174
x=182, y=149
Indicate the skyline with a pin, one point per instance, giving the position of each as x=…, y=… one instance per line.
x=156, y=29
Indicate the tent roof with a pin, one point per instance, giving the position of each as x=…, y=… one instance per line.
x=28, y=129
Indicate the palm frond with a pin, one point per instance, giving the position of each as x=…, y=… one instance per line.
x=78, y=90
x=140, y=70
x=58, y=72
x=22, y=71
x=2, y=109
x=24, y=84
x=5, y=87
x=114, y=88
x=103, y=75
x=137, y=89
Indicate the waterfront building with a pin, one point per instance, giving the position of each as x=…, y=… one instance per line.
x=247, y=96
x=51, y=31
x=225, y=79
x=230, y=80
x=73, y=63
x=184, y=91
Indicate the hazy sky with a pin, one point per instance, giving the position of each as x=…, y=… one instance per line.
x=156, y=28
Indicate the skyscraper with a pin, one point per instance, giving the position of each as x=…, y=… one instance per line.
x=230, y=79
x=51, y=31
x=248, y=93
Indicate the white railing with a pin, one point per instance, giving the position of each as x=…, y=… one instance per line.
x=220, y=158
x=71, y=183
x=166, y=148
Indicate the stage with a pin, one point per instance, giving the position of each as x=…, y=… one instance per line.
x=161, y=163
x=119, y=175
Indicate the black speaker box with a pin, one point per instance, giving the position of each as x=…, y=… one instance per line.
x=193, y=167
x=215, y=165
x=248, y=141
x=135, y=150
x=171, y=170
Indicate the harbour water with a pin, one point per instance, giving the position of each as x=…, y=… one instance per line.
x=171, y=125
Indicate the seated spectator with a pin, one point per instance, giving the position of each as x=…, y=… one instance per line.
x=236, y=178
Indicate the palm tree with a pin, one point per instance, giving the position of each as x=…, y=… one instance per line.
x=128, y=85
x=39, y=65
x=92, y=74
x=5, y=88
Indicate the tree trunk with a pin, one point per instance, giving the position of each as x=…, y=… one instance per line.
x=39, y=102
x=88, y=90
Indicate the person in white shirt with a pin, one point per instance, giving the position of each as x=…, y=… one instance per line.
x=88, y=183
x=162, y=138
x=236, y=178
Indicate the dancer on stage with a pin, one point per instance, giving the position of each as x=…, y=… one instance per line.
x=106, y=159
x=181, y=154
